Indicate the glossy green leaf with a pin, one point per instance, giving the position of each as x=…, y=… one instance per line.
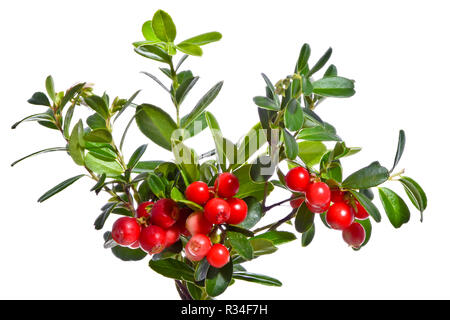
x=367, y=177
x=98, y=135
x=34, y=117
x=290, y=145
x=203, y=103
x=322, y=61
x=240, y=244
x=304, y=218
x=100, y=183
x=217, y=280
x=190, y=49
x=184, y=89
x=106, y=211
x=153, y=52
x=367, y=225
x=39, y=99
x=60, y=187
x=257, y=278
x=50, y=87
x=249, y=188
x=415, y=194
x=331, y=71
x=368, y=205
x=293, y=116
x=308, y=236
x=400, y=148
x=187, y=159
x=136, y=156
x=318, y=133
x=71, y=93
x=254, y=213
x=99, y=166
x=38, y=153
x=173, y=269
x=97, y=104
x=148, y=33
x=96, y=121
x=262, y=169
x=157, y=185
x=266, y=103
x=262, y=246
x=311, y=152
x=163, y=26
x=204, y=38
x=276, y=237
x=127, y=104
x=156, y=125
x=68, y=120
x=337, y=87
x=146, y=166
x=76, y=144
x=396, y=209
x=128, y=254
x=303, y=58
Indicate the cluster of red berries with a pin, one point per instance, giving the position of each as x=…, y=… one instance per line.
x=159, y=225
x=341, y=209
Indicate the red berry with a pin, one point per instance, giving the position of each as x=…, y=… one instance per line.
x=144, y=209
x=297, y=179
x=318, y=194
x=226, y=185
x=152, y=239
x=134, y=245
x=164, y=213
x=197, y=192
x=354, y=235
x=360, y=212
x=317, y=209
x=218, y=256
x=337, y=195
x=181, y=222
x=198, y=247
x=212, y=193
x=296, y=203
x=172, y=235
x=125, y=231
x=238, y=211
x=197, y=223
x=340, y=216
x=217, y=211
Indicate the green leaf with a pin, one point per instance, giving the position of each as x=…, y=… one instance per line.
x=331, y=71
x=157, y=185
x=127, y=104
x=290, y=145
x=195, y=291
x=367, y=177
x=311, y=152
x=163, y=26
x=396, y=209
x=308, y=236
x=50, y=87
x=106, y=211
x=240, y=244
x=262, y=247
x=368, y=205
x=100, y=183
x=273, y=96
x=153, y=52
x=70, y=94
x=203, y=39
x=266, y=103
x=60, y=187
x=68, y=120
x=156, y=125
x=201, y=270
x=146, y=166
x=250, y=143
x=99, y=135
x=97, y=104
x=262, y=169
x=148, y=33
x=37, y=153
x=247, y=187
x=110, y=168
x=293, y=116
x=173, y=269
x=34, y=117
x=322, y=61
x=101, y=151
x=303, y=58
x=225, y=149
x=276, y=237
x=96, y=121
x=257, y=278
x=415, y=194
x=184, y=89
x=304, y=218
x=367, y=225
x=136, y=156
x=254, y=213
x=218, y=280
x=203, y=103
x=196, y=126
x=75, y=144
x=318, y=133
x=127, y=254
x=190, y=49
x=187, y=159
x=400, y=148
x=39, y=99
x=337, y=87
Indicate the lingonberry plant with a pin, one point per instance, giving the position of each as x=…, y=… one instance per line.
x=196, y=215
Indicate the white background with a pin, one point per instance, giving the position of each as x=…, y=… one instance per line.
x=397, y=51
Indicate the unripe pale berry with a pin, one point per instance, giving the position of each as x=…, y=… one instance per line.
x=198, y=247
x=196, y=223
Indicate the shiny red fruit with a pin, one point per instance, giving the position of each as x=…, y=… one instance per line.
x=340, y=216
x=360, y=212
x=217, y=211
x=318, y=194
x=144, y=209
x=198, y=247
x=181, y=222
x=197, y=192
x=172, y=235
x=354, y=235
x=238, y=211
x=226, y=185
x=197, y=223
x=316, y=209
x=297, y=179
x=296, y=203
x=164, y=213
x=125, y=231
x=337, y=195
x=134, y=245
x=152, y=239
x=218, y=256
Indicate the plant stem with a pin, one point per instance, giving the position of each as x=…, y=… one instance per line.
x=275, y=225
x=265, y=209
x=182, y=290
